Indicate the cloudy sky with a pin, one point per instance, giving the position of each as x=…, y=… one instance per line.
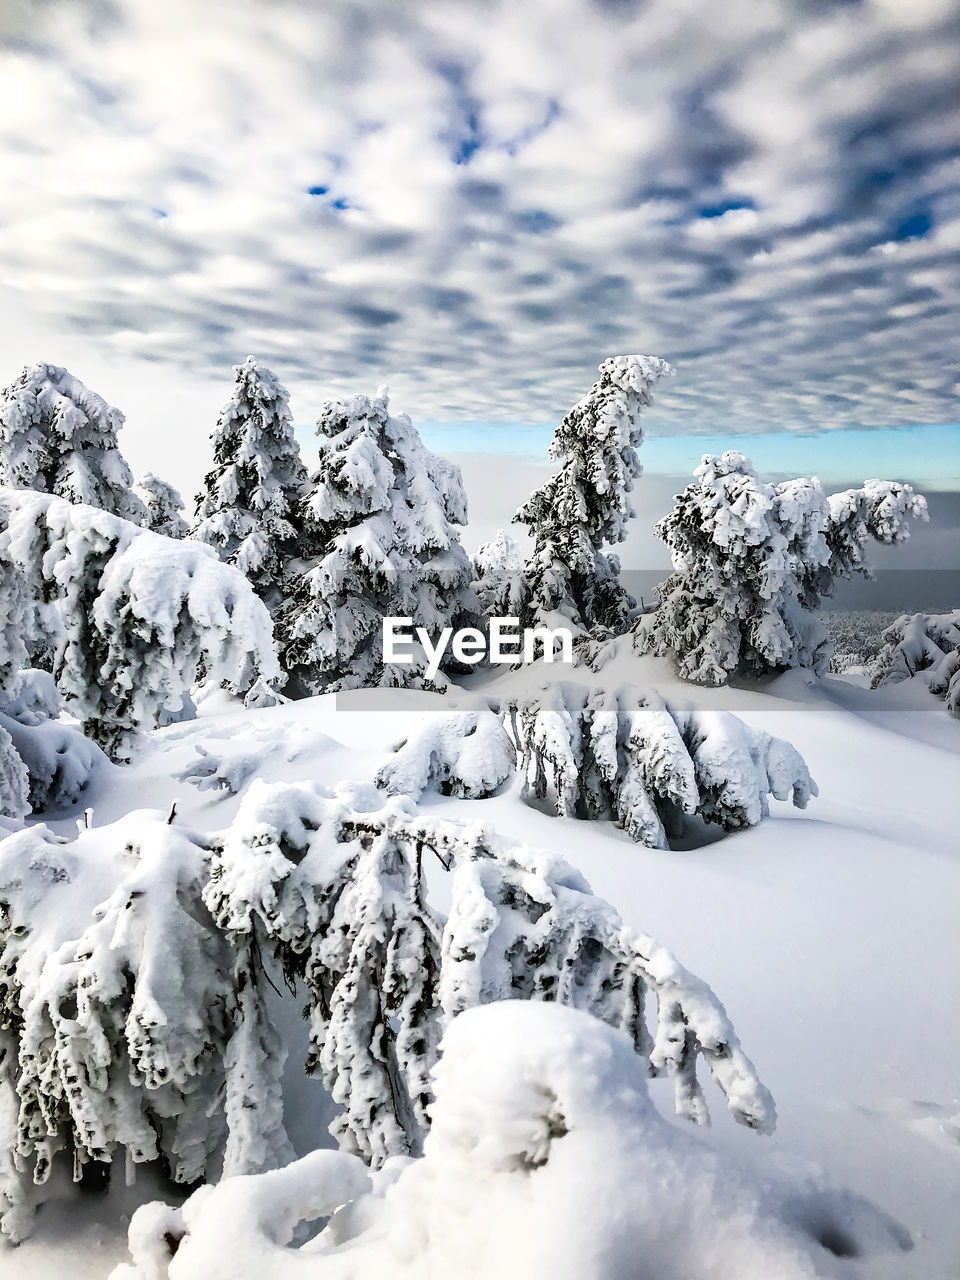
x=476, y=202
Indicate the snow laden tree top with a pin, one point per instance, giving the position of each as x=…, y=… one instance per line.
x=381, y=515
x=752, y=562
x=123, y=617
x=569, y=579
x=132, y=1009
x=57, y=436
x=163, y=504
x=247, y=510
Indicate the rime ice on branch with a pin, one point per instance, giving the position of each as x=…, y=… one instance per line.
x=382, y=515
x=752, y=562
x=248, y=508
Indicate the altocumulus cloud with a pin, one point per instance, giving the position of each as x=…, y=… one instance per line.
x=478, y=201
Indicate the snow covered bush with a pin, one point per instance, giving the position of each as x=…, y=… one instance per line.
x=59, y=437
x=547, y=1160
x=752, y=562
x=381, y=515
x=568, y=578
x=464, y=753
x=127, y=1021
x=248, y=509
x=163, y=505
x=123, y=617
x=132, y=1011
x=923, y=642
x=500, y=583
x=621, y=753
x=629, y=755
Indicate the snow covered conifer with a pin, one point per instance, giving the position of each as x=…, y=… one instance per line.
x=570, y=580
x=59, y=437
x=927, y=643
x=247, y=510
x=163, y=504
x=752, y=562
x=382, y=514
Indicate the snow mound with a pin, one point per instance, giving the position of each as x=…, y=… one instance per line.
x=544, y=1131
x=466, y=754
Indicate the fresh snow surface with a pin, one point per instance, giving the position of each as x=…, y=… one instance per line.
x=829, y=934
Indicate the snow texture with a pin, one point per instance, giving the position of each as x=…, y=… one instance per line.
x=125, y=618
x=58, y=437
x=382, y=516
x=752, y=562
x=543, y=1127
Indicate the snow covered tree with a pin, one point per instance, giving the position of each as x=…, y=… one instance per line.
x=133, y=1018
x=501, y=585
x=752, y=563
x=59, y=437
x=621, y=753
x=58, y=759
x=123, y=618
x=163, y=504
x=130, y=1023
x=923, y=642
x=248, y=508
x=569, y=579
x=381, y=514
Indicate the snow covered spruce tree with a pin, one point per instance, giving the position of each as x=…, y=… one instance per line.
x=381, y=515
x=247, y=510
x=569, y=580
x=927, y=643
x=123, y=618
x=59, y=437
x=163, y=504
x=752, y=563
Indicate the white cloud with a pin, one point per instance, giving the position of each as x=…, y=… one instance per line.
x=157, y=160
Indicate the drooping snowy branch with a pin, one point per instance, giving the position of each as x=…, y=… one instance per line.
x=752, y=562
x=466, y=753
x=123, y=617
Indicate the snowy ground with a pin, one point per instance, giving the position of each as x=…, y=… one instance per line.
x=830, y=934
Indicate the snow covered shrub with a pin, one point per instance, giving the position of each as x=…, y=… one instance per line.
x=132, y=1012
x=336, y=884
x=163, y=504
x=382, y=515
x=465, y=753
x=248, y=509
x=752, y=562
x=547, y=1160
x=568, y=578
x=123, y=617
x=616, y=753
x=59, y=437
x=58, y=758
x=927, y=642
